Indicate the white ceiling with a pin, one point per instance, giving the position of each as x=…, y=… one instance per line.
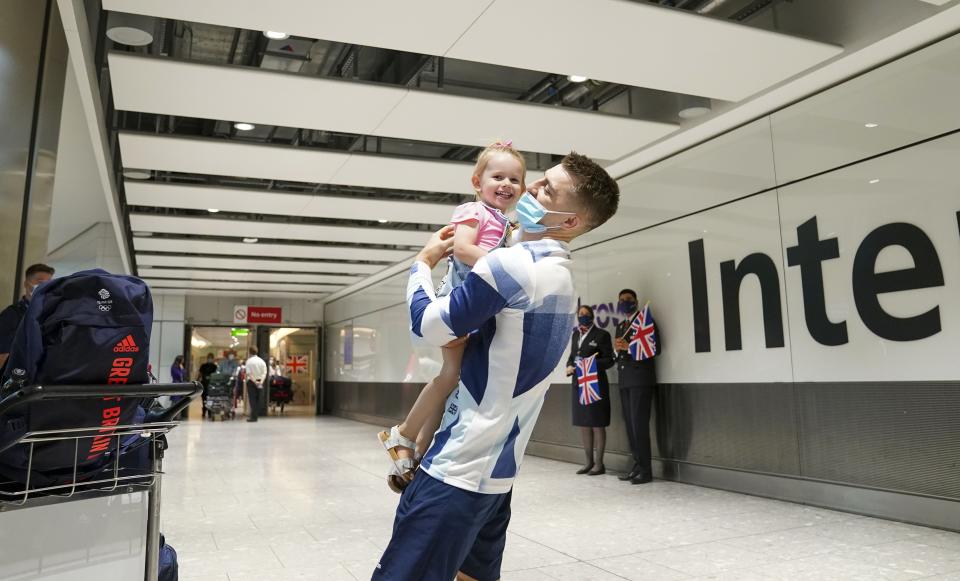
x=238, y=286
x=275, y=230
x=706, y=56
x=276, y=203
x=328, y=279
x=218, y=263
x=373, y=23
x=185, y=246
x=158, y=85
x=278, y=162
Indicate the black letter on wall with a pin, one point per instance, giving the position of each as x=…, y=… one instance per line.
x=809, y=252
x=701, y=309
x=730, y=279
x=867, y=283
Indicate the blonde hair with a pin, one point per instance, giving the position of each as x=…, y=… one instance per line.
x=501, y=147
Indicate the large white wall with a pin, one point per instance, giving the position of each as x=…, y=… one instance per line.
x=747, y=192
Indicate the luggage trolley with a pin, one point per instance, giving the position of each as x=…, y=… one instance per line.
x=119, y=475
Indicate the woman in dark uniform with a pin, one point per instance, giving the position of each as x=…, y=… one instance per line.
x=591, y=414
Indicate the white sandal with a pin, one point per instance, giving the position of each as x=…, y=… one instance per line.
x=404, y=467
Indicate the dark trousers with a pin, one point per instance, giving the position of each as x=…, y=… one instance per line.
x=253, y=400
x=637, y=382
x=636, y=403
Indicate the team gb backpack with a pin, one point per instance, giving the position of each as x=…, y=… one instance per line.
x=88, y=328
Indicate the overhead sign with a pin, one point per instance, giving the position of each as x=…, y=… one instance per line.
x=242, y=332
x=253, y=315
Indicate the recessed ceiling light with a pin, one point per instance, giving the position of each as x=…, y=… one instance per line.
x=213, y=210
x=274, y=35
x=136, y=174
x=382, y=221
x=693, y=112
x=875, y=180
x=130, y=29
x=251, y=240
x=576, y=78
x=243, y=126
x=871, y=125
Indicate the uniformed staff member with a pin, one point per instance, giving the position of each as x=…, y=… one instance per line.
x=11, y=316
x=590, y=414
x=637, y=380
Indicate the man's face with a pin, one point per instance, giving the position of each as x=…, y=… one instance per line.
x=33, y=281
x=555, y=191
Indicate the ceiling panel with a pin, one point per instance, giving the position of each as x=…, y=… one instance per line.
x=191, y=89
x=382, y=23
x=298, y=164
x=239, y=286
x=238, y=293
x=331, y=279
x=531, y=126
x=218, y=264
x=280, y=231
x=711, y=57
x=159, y=85
x=280, y=251
x=272, y=202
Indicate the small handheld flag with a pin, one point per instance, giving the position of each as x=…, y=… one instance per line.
x=643, y=344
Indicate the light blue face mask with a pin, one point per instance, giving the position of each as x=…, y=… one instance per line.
x=530, y=211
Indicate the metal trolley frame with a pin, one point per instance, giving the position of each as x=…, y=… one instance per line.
x=112, y=481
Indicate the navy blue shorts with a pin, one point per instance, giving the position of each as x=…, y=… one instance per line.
x=441, y=529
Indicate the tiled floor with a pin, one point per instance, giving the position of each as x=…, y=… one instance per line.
x=304, y=498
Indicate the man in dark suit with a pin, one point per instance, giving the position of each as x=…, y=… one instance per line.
x=637, y=381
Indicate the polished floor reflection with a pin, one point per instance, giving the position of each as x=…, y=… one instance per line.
x=304, y=499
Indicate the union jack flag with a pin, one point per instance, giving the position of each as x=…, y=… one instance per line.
x=588, y=380
x=643, y=344
x=297, y=364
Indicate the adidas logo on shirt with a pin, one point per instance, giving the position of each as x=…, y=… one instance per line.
x=127, y=345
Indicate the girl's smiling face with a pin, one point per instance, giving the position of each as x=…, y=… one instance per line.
x=501, y=182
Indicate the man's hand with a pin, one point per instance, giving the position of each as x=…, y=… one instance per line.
x=620, y=344
x=570, y=370
x=438, y=247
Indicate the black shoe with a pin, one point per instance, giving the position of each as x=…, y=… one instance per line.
x=641, y=479
x=251, y=419
x=595, y=472
x=585, y=469
x=629, y=475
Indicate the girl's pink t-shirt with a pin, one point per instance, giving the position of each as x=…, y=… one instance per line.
x=491, y=223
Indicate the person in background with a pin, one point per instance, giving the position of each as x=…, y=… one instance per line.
x=203, y=376
x=256, y=371
x=178, y=373
x=637, y=380
x=591, y=354
x=229, y=365
x=10, y=317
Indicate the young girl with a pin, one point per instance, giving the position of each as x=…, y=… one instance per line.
x=481, y=226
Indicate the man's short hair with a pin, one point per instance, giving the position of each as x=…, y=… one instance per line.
x=628, y=291
x=253, y=351
x=597, y=192
x=37, y=269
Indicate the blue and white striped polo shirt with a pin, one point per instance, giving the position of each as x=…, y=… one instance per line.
x=519, y=303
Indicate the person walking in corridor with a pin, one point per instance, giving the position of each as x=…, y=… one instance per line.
x=256, y=370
